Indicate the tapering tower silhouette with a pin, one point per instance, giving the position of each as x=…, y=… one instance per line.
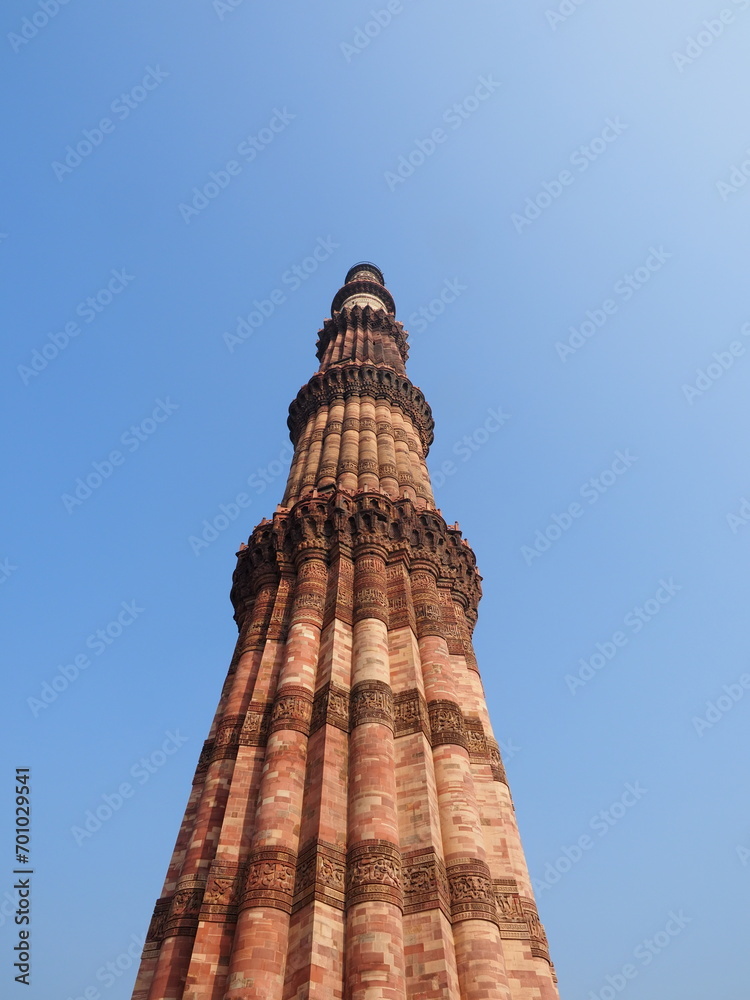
x=350, y=833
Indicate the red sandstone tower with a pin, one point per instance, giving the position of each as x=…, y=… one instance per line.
x=350, y=833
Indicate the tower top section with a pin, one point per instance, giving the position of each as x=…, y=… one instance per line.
x=360, y=423
x=363, y=328
x=364, y=285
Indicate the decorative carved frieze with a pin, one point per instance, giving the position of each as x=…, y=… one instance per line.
x=496, y=761
x=254, y=732
x=476, y=741
x=425, y=883
x=157, y=927
x=279, y=621
x=539, y=944
x=227, y=739
x=269, y=880
x=317, y=527
x=184, y=908
x=339, y=595
x=370, y=598
x=222, y=892
x=447, y=724
x=203, y=760
x=510, y=912
x=410, y=713
x=292, y=709
x=321, y=876
x=471, y=891
x=363, y=379
x=373, y=872
x=371, y=701
x=330, y=707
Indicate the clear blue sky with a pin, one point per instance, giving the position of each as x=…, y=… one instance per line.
x=574, y=179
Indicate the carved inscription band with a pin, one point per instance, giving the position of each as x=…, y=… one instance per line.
x=373, y=872
x=442, y=721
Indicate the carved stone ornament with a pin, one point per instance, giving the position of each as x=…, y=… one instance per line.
x=410, y=713
x=539, y=945
x=373, y=872
x=476, y=741
x=184, y=908
x=330, y=707
x=227, y=738
x=446, y=724
x=158, y=925
x=496, y=761
x=380, y=383
x=222, y=892
x=471, y=891
x=269, y=880
x=203, y=760
x=510, y=912
x=321, y=875
x=292, y=710
x=371, y=701
x=425, y=883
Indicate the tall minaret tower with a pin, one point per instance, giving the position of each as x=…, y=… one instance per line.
x=350, y=834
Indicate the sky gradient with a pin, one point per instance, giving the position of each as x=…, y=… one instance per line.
x=557, y=195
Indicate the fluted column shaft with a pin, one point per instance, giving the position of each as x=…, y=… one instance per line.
x=479, y=953
x=261, y=940
x=172, y=965
x=374, y=940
